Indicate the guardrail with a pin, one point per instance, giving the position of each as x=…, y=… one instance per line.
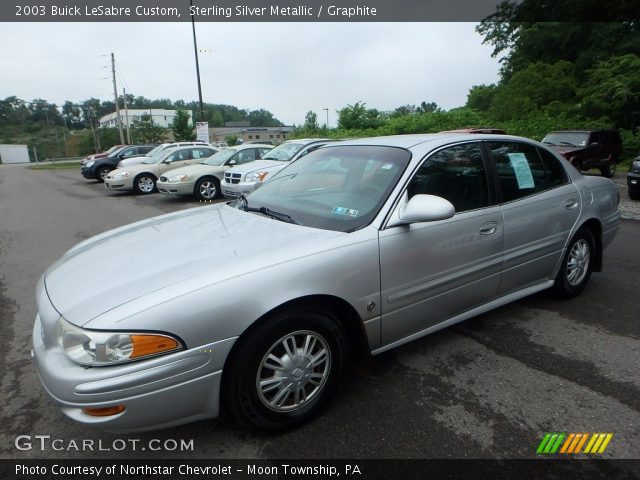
x=60, y=159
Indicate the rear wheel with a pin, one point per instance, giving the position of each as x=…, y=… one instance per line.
x=144, y=183
x=609, y=170
x=286, y=370
x=577, y=265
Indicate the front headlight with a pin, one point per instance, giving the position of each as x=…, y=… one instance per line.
x=257, y=176
x=635, y=166
x=89, y=163
x=98, y=348
x=121, y=175
x=178, y=178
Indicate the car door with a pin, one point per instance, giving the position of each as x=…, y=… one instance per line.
x=539, y=207
x=176, y=159
x=433, y=271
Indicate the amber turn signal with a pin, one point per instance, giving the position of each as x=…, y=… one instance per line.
x=144, y=345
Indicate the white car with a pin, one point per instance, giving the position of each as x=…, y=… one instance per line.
x=203, y=180
x=142, y=178
x=244, y=179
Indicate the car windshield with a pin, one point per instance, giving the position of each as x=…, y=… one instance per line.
x=576, y=139
x=154, y=150
x=336, y=188
x=220, y=157
x=158, y=156
x=113, y=149
x=283, y=152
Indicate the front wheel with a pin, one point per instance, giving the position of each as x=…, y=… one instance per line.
x=207, y=188
x=144, y=183
x=577, y=265
x=286, y=370
x=101, y=175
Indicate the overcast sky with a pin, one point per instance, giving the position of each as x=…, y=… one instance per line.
x=286, y=68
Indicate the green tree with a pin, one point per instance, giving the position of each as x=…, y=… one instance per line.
x=529, y=32
x=613, y=91
x=147, y=131
x=182, y=127
x=231, y=140
x=358, y=117
x=311, y=122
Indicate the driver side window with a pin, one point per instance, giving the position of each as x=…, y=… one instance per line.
x=455, y=173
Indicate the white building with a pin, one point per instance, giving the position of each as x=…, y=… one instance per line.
x=160, y=116
x=14, y=154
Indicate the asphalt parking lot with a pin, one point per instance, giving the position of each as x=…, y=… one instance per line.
x=487, y=388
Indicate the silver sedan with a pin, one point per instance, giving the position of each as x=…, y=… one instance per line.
x=354, y=249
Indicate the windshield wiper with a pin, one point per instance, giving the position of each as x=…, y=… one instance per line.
x=568, y=143
x=283, y=217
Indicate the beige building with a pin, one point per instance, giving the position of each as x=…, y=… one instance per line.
x=247, y=133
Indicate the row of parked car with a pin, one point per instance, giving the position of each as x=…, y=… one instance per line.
x=209, y=171
x=194, y=168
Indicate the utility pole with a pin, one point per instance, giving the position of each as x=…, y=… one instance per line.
x=126, y=115
x=115, y=96
x=195, y=51
x=327, y=124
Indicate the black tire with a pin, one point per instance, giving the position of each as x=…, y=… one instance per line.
x=258, y=408
x=610, y=170
x=144, y=183
x=207, y=188
x=564, y=286
x=102, y=173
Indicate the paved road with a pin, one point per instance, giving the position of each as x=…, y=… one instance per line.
x=490, y=387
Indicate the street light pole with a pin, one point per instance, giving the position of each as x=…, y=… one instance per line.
x=195, y=51
x=327, y=124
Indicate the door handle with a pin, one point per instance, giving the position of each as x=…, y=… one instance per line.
x=571, y=204
x=488, y=228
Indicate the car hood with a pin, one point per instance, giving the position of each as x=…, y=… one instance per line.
x=196, y=170
x=258, y=165
x=212, y=242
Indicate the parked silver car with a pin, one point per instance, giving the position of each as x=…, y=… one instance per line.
x=352, y=250
x=244, y=179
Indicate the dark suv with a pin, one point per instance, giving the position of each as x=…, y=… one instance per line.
x=587, y=149
x=99, y=168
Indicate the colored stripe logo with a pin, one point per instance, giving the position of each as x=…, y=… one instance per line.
x=572, y=443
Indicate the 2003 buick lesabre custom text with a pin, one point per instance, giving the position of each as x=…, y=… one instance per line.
x=356, y=248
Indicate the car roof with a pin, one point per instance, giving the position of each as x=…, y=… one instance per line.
x=249, y=145
x=412, y=140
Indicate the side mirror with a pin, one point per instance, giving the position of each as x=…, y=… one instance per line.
x=121, y=156
x=423, y=208
x=232, y=162
x=594, y=144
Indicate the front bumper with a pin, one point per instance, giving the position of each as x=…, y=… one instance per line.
x=89, y=173
x=159, y=392
x=177, y=188
x=118, y=183
x=633, y=181
x=237, y=189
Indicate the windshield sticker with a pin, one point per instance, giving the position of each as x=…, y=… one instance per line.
x=522, y=170
x=344, y=211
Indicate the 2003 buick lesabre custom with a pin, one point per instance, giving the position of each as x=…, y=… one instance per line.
x=356, y=248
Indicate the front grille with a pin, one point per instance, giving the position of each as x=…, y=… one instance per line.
x=227, y=193
x=232, y=177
